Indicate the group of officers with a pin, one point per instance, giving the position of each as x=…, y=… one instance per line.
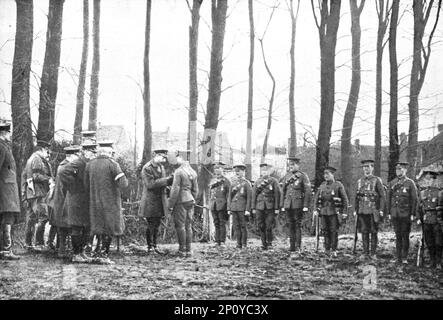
x=83, y=200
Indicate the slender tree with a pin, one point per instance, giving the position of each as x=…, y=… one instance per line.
x=351, y=107
x=218, y=17
x=21, y=68
x=327, y=29
x=420, y=61
x=394, y=147
x=248, y=158
x=82, y=76
x=49, y=79
x=93, y=98
x=193, y=84
x=147, y=145
x=383, y=10
x=292, y=126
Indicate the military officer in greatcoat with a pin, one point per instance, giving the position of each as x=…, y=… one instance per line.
x=103, y=181
x=9, y=195
x=239, y=204
x=402, y=205
x=219, y=203
x=265, y=203
x=153, y=203
x=295, y=200
x=369, y=205
x=37, y=181
x=429, y=208
x=329, y=201
x=72, y=175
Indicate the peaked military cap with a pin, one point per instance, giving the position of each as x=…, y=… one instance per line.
x=402, y=164
x=431, y=172
x=294, y=159
x=264, y=165
x=42, y=143
x=72, y=149
x=240, y=166
x=368, y=161
x=161, y=151
x=5, y=126
x=330, y=169
x=89, y=134
x=106, y=144
x=89, y=145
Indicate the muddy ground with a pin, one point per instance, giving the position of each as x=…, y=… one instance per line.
x=214, y=273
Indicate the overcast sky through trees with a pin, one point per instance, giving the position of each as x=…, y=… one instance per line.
x=122, y=43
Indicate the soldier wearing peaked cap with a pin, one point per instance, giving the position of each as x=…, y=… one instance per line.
x=153, y=203
x=329, y=199
x=89, y=137
x=239, y=204
x=402, y=205
x=9, y=195
x=369, y=205
x=184, y=191
x=430, y=210
x=295, y=200
x=219, y=202
x=103, y=180
x=37, y=180
x=265, y=203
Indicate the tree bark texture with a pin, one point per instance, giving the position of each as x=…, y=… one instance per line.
x=93, y=98
x=248, y=158
x=82, y=76
x=49, y=79
x=147, y=143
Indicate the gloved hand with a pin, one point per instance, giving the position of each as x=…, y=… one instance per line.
x=381, y=213
x=418, y=222
x=247, y=213
x=254, y=211
x=277, y=211
x=315, y=213
x=282, y=209
x=305, y=209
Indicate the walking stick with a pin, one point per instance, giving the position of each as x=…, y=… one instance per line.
x=354, y=249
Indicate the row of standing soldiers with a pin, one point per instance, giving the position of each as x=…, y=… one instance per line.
x=267, y=198
x=84, y=200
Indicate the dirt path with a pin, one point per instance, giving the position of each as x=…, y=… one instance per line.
x=214, y=273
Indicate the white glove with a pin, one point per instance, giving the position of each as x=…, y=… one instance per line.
x=418, y=222
x=254, y=211
x=282, y=209
x=315, y=213
x=381, y=213
x=277, y=211
x=355, y=213
x=247, y=213
x=305, y=209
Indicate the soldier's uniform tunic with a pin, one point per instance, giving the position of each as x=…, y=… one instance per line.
x=37, y=172
x=9, y=196
x=218, y=206
x=430, y=207
x=402, y=204
x=239, y=201
x=265, y=200
x=370, y=200
x=296, y=195
x=325, y=204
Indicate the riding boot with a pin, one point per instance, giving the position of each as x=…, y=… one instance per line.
x=374, y=242
x=365, y=241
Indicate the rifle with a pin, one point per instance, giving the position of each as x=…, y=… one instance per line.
x=354, y=249
x=317, y=232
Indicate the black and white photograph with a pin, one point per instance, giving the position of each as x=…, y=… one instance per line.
x=221, y=156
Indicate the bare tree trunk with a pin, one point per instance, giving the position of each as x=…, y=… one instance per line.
x=271, y=103
x=394, y=147
x=21, y=69
x=193, y=84
x=49, y=79
x=327, y=27
x=248, y=158
x=292, y=126
x=383, y=19
x=93, y=98
x=147, y=144
x=420, y=60
x=82, y=76
x=218, y=14
x=348, y=121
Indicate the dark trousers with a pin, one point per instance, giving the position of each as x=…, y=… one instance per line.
x=368, y=228
x=220, y=225
x=265, y=223
x=79, y=238
x=183, y=215
x=402, y=227
x=294, y=217
x=241, y=232
x=330, y=227
x=434, y=241
x=152, y=231
x=6, y=221
x=62, y=239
